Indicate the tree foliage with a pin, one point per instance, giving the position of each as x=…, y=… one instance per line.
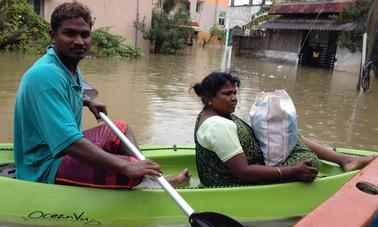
x=216, y=31
x=21, y=29
x=357, y=13
x=168, y=6
x=106, y=44
x=169, y=28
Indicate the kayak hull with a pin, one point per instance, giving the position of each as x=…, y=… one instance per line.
x=33, y=203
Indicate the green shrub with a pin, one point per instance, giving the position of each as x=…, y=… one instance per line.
x=168, y=29
x=106, y=44
x=21, y=29
x=357, y=12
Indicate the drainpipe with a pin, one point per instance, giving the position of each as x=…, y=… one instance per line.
x=363, y=54
x=216, y=12
x=137, y=21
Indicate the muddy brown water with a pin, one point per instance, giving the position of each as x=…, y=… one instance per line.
x=152, y=94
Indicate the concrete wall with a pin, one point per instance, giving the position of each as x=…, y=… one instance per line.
x=285, y=40
x=194, y=15
x=278, y=56
x=241, y=15
x=260, y=47
x=266, y=47
x=347, y=61
x=119, y=15
x=285, y=56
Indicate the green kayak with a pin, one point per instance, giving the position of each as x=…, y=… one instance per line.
x=37, y=204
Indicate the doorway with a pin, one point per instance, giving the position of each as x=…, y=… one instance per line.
x=318, y=49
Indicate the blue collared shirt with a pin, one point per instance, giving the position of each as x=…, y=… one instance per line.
x=47, y=118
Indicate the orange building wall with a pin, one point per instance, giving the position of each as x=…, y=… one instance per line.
x=221, y=2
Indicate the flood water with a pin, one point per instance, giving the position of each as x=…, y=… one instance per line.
x=152, y=94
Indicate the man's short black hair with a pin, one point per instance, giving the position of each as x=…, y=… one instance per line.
x=70, y=10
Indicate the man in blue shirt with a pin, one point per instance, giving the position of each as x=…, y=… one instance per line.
x=49, y=145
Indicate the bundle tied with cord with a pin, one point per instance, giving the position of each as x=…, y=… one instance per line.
x=274, y=123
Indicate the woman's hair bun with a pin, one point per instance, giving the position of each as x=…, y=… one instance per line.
x=198, y=89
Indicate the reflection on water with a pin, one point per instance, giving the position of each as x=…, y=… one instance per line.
x=152, y=94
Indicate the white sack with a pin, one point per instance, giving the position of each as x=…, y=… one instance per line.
x=274, y=122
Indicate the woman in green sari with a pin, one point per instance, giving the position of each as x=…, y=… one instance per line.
x=228, y=153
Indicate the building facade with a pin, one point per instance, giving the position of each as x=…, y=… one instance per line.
x=120, y=16
x=205, y=14
x=241, y=12
x=302, y=32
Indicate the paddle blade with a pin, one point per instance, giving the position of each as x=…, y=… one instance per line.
x=211, y=219
x=89, y=90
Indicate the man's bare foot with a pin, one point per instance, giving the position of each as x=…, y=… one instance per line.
x=180, y=179
x=352, y=163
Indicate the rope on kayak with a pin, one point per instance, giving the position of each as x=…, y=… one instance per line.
x=143, y=148
x=174, y=147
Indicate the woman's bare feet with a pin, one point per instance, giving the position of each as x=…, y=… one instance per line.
x=180, y=179
x=352, y=163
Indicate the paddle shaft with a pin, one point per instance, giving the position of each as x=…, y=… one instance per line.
x=161, y=180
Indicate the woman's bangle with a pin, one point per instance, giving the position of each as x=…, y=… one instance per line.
x=279, y=171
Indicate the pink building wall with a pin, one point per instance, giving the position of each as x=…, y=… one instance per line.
x=116, y=14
